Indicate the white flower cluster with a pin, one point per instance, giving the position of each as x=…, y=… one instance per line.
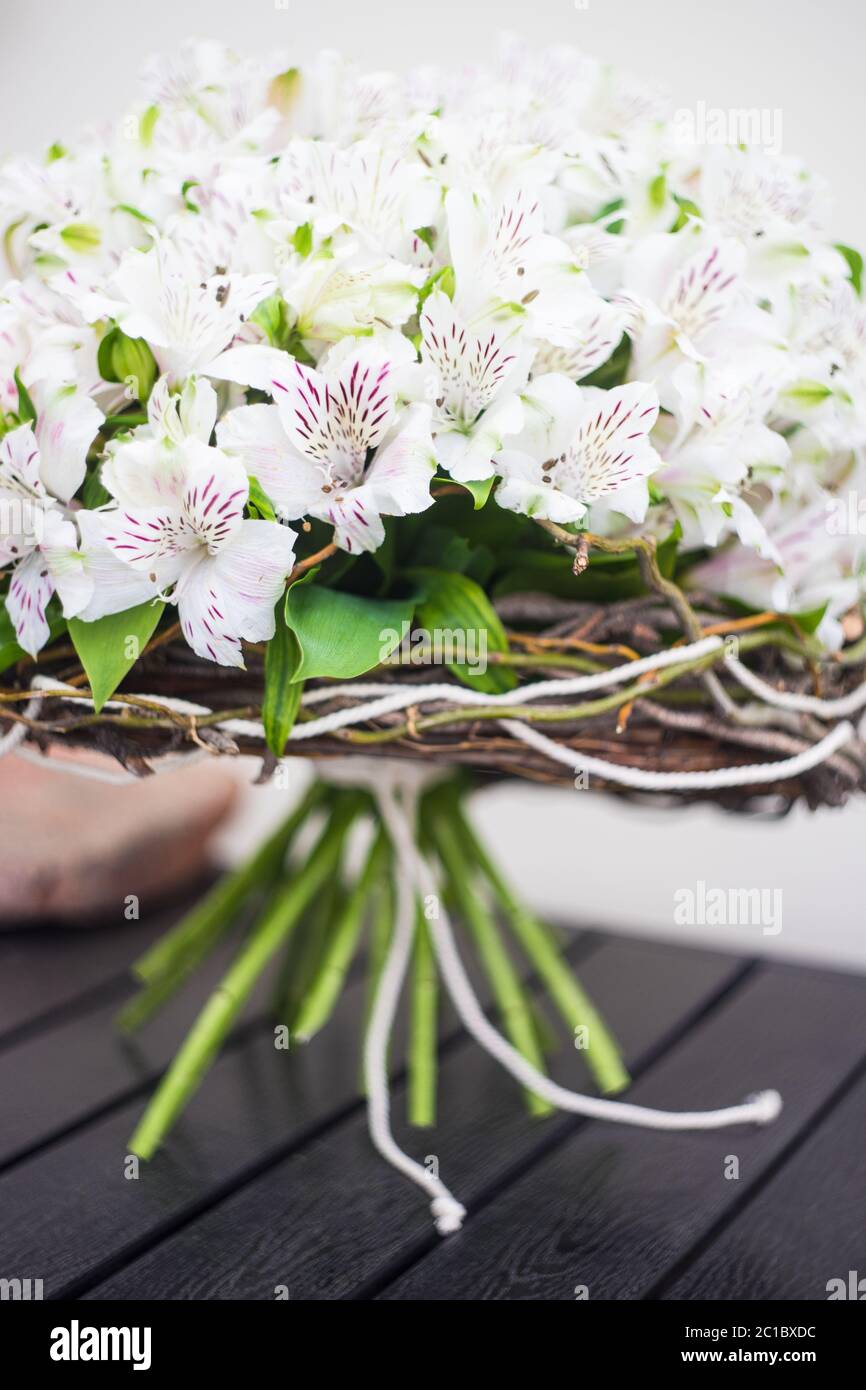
x=336, y=284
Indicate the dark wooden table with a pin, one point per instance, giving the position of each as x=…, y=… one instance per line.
x=269, y=1186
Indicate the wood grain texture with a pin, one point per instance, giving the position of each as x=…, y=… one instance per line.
x=69, y=1210
x=54, y=972
x=80, y=1065
x=614, y=1208
x=333, y=1217
x=804, y=1228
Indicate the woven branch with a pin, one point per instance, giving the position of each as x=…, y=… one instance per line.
x=673, y=728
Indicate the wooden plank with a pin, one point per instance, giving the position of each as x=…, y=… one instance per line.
x=80, y=1065
x=613, y=1208
x=49, y=972
x=256, y=1104
x=334, y=1215
x=804, y=1228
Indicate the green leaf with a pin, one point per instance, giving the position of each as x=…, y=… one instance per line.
x=617, y=225
x=442, y=279
x=133, y=212
x=110, y=647
x=480, y=491
x=26, y=408
x=94, y=493
x=184, y=193
x=810, y=619
x=302, y=239
x=343, y=635
x=275, y=319
x=259, y=502
x=687, y=210
x=282, y=697
x=455, y=609
x=855, y=265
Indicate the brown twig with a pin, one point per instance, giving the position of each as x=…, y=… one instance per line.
x=318, y=559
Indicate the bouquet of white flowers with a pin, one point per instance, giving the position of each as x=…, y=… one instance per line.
x=500, y=371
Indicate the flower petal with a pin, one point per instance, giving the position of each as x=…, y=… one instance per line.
x=336, y=419
x=30, y=588
x=356, y=520
x=523, y=490
x=254, y=433
x=116, y=585
x=231, y=595
x=400, y=474
x=67, y=423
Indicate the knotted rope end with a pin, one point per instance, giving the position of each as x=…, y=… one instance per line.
x=448, y=1214
x=765, y=1106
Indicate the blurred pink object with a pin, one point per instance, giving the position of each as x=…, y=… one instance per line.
x=74, y=848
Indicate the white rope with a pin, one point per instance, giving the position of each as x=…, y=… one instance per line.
x=758, y=1109
x=647, y=780
x=447, y=1212
x=387, y=700
x=402, y=697
x=18, y=732
x=838, y=708
x=413, y=876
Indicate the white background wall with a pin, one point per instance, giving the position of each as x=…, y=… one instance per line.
x=67, y=62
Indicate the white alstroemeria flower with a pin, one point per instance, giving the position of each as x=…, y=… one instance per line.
x=384, y=195
x=579, y=447
x=67, y=422
x=690, y=303
x=47, y=338
x=588, y=344
x=225, y=91
x=230, y=232
x=776, y=210
x=186, y=322
x=814, y=567
x=334, y=446
x=332, y=99
x=179, y=521
x=475, y=372
x=822, y=362
x=506, y=264
x=40, y=542
x=39, y=469
x=496, y=154
x=710, y=447
x=343, y=289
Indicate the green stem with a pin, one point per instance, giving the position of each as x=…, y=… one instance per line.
x=422, y=1060
x=219, y=1013
x=305, y=951
x=319, y=1001
x=183, y=947
x=578, y=1011
x=507, y=989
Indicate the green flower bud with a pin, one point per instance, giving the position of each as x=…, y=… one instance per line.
x=129, y=360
